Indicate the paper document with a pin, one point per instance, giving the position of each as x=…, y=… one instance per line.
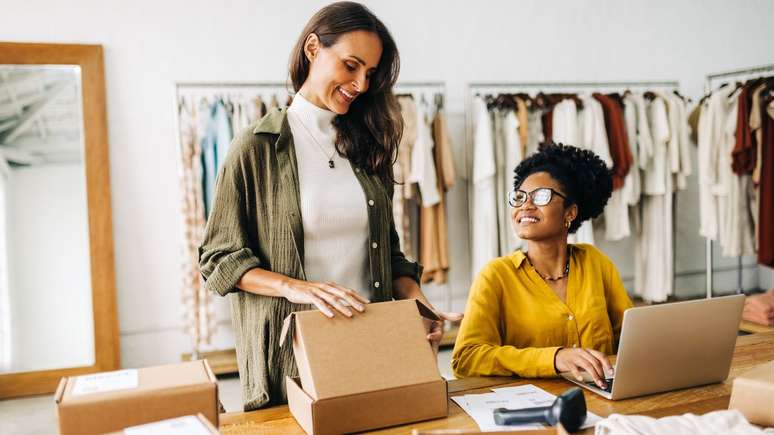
x=188, y=425
x=480, y=407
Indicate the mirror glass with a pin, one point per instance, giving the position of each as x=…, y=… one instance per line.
x=46, y=317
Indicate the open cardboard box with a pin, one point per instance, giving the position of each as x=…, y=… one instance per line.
x=753, y=394
x=111, y=401
x=373, y=370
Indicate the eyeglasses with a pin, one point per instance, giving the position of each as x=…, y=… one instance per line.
x=540, y=196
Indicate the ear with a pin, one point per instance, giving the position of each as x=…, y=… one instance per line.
x=311, y=46
x=570, y=213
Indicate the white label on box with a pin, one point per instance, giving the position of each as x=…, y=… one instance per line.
x=107, y=381
x=188, y=425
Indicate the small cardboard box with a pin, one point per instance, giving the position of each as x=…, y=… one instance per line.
x=110, y=401
x=753, y=395
x=187, y=425
x=373, y=370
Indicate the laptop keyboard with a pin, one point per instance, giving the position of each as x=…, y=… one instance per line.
x=609, y=387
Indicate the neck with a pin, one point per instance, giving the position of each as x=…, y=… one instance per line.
x=311, y=97
x=548, y=257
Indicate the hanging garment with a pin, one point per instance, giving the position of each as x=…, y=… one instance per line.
x=534, y=131
x=484, y=217
x=433, y=230
x=743, y=154
x=756, y=116
x=631, y=190
x=593, y=134
x=617, y=140
x=501, y=178
x=404, y=191
x=735, y=229
x=214, y=145
x=766, y=194
x=707, y=155
x=565, y=123
x=422, y=164
x=522, y=113
x=198, y=309
x=685, y=169
x=511, y=157
x=653, y=276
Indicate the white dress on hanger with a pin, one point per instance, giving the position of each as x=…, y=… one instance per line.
x=484, y=214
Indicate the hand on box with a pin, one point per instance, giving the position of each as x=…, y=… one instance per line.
x=326, y=296
x=435, y=327
x=575, y=360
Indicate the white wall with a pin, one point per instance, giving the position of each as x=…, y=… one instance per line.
x=150, y=44
x=52, y=323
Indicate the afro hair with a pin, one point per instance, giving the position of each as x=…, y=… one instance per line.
x=582, y=175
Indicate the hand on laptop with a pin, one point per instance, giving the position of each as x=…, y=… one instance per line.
x=577, y=360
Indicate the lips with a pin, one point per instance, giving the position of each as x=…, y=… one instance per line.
x=349, y=97
x=528, y=220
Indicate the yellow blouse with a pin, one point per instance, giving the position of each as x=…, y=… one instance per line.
x=514, y=322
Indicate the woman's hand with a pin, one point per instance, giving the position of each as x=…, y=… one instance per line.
x=326, y=296
x=575, y=360
x=435, y=327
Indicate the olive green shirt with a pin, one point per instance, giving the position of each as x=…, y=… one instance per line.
x=255, y=222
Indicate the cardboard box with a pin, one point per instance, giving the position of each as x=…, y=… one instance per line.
x=753, y=395
x=187, y=425
x=110, y=401
x=373, y=370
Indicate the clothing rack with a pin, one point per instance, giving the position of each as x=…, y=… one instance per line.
x=709, y=81
x=483, y=88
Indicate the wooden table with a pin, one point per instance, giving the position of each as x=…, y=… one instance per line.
x=751, y=350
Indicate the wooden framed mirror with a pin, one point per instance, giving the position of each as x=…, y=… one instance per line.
x=58, y=312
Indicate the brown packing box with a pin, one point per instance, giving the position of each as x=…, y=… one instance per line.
x=753, y=395
x=373, y=370
x=161, y=392
x=178, y=428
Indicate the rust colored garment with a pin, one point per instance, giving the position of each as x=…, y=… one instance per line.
x=766, y=210
x=433, y=231
x=743, y=154
x=617, y=139
x=522, y=113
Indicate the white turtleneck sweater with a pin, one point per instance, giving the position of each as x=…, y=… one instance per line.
x=333, y=205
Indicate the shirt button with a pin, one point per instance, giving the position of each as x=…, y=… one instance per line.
x=371, y=202
x=376, y=284
x=374, y=245
x=570, y=317
x=357, y=169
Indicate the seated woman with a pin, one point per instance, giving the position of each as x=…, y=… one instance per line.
x=556, y=307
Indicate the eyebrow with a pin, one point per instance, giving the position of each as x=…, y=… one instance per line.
x=361, y=61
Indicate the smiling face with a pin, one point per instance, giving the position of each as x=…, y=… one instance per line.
x=341, y=72
x=538, y=223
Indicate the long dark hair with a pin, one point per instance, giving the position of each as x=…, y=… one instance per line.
x=369, y=133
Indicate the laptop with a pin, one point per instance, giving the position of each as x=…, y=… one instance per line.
x=672, y=346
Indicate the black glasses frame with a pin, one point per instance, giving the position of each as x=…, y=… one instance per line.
x=513, y=202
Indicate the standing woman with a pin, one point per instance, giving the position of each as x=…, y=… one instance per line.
x=302, y=215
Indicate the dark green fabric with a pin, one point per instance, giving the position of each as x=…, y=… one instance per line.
x=256, y=222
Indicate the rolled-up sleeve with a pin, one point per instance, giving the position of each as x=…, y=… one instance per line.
x=225, y=254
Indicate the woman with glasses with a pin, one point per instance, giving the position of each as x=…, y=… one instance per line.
x=555, y=307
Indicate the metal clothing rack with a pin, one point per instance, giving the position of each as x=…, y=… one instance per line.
x=482, y=88
x=709, y=81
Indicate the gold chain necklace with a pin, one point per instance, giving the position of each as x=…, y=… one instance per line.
x=322, y=149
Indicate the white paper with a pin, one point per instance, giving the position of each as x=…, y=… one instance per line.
x=107, y=381
x=188, y=425
x=480, y=407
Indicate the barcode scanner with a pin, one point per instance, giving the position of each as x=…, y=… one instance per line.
x=569, y=409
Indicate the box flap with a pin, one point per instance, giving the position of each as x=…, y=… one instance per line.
x=384, y=347
x=60, y=390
